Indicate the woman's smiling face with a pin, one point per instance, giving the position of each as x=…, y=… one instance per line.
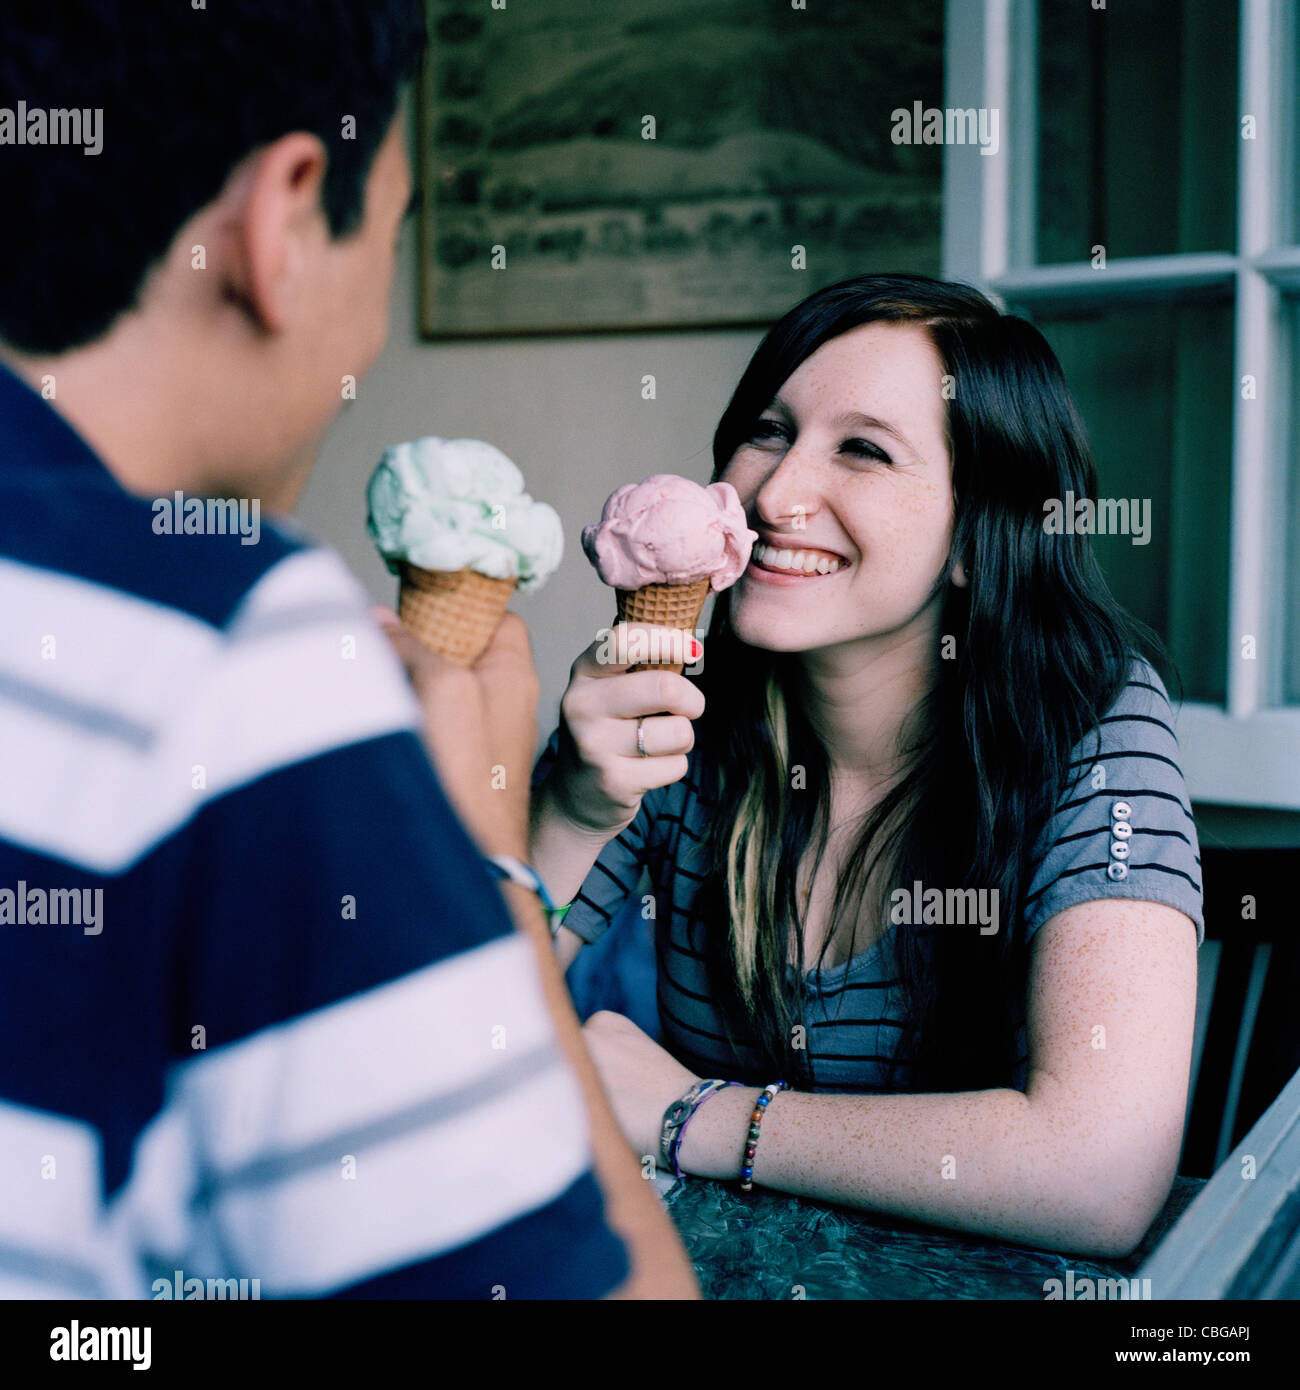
x=849, y=465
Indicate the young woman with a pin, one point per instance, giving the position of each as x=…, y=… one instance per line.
x=952, y=702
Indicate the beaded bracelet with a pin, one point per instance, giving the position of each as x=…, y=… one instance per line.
x=751, y=1138
x=675, y=1146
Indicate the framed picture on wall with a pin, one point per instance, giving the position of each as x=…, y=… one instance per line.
x=594, y=165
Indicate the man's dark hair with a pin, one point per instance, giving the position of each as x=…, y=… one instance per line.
x=186, y=94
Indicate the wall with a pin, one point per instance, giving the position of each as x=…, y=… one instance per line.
x=569, y=412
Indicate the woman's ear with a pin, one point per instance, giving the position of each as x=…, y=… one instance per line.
x=959, y=576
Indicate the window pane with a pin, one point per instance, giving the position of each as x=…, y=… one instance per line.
x=1154, y=386
x=1292, y=159
x=1138, y=140
x=1291, y=556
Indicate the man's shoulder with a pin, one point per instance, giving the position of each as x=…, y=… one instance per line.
x=62, y=512
x=177, y=699
x=91, y=534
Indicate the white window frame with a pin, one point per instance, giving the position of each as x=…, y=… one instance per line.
x=1247, y=753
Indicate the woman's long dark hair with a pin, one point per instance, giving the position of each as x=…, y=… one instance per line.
x=1041, y=652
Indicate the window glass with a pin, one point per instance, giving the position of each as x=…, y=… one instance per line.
x=1154, y=386
x=1291, y=555
x=1139, y=128
x=1292, y=160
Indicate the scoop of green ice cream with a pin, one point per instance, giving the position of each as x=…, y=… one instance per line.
x=452, y=504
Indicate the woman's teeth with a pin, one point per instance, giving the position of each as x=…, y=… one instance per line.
x=807, y=561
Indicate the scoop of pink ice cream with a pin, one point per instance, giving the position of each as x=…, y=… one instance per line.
x=669, y=530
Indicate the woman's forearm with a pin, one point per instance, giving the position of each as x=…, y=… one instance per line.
x=562, y=853
x=988, y=1162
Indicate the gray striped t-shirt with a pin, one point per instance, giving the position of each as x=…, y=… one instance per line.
x=854, y=1011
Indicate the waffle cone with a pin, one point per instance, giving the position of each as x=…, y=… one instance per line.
x=665, y=605
x=453, y=612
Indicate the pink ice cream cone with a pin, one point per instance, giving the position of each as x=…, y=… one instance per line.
x=665, y=544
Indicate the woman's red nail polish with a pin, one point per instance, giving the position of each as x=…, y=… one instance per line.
x=697, y=649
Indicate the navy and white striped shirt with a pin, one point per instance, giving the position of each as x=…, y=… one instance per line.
x=297, y=1039
x=854, y=1012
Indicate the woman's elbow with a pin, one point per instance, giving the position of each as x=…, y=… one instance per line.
x=1114, y=1228
x=1106, y=1239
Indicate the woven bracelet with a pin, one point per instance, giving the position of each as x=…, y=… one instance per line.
x=675, y=1147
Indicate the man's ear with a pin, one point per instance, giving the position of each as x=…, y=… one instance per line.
x=279, y=225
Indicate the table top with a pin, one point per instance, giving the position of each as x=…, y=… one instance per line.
x=770, y=1245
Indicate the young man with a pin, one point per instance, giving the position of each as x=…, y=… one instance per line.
x=263, y=1012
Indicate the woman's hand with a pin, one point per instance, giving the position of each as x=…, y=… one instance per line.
x=599, y=776
x=639, y=1077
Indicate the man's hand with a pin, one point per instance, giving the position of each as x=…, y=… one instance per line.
x=480, y=726
x=485, y=718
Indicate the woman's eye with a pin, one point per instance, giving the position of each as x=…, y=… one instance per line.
x=866, y=449
x=768, y=429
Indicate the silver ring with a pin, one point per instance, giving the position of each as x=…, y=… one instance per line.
x=640, y=742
